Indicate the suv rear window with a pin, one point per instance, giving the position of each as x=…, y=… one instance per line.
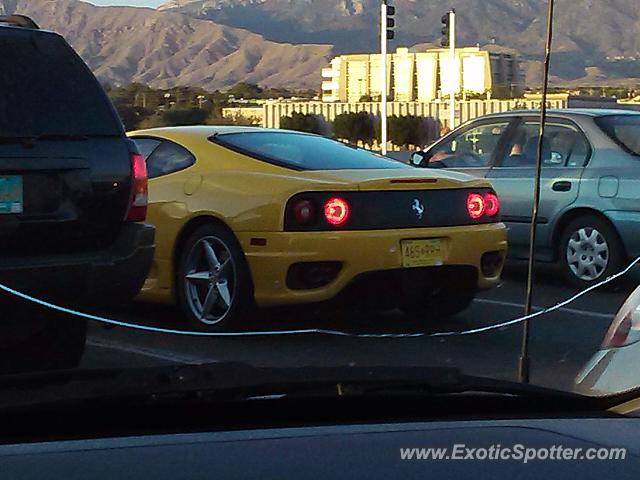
x=623, y=129
x=300, y=151
x=45, y=88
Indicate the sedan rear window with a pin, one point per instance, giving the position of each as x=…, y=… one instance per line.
x=304, y=152
x=624, y=130
x=47, y=89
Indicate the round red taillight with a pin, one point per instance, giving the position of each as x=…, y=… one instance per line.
x=336, y=211
x=304, y=212
x=492, y=205
x=476, y=205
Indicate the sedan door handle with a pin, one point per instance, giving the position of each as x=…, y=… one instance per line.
x=561, y=186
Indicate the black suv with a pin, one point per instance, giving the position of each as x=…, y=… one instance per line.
x=73, y=194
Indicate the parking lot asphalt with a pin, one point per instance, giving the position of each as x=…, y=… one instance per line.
x=561, y=342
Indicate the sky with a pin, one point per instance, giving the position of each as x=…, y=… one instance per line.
x=135, y=3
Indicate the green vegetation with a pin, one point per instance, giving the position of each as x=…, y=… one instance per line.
x=176, y=117
x=355, y=127
x=411, y=130
x=304, y=123
x=141, y=106
x=250, y=91
x=404, y=131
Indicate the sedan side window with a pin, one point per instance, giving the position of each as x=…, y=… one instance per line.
x=472, y=148
x=563, y=146
x=168, y=158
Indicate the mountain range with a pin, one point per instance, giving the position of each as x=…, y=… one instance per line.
x=594, y=40
x=165, y=49
x=285, y=43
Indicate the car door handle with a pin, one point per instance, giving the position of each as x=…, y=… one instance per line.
x=561, y=186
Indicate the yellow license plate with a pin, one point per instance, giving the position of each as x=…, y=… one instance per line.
x=422, y=253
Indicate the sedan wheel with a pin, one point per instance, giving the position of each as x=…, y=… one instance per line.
x=587, y=254
x=214, y=286
x=590, y=251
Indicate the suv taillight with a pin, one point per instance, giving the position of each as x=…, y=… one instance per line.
x=139, y=193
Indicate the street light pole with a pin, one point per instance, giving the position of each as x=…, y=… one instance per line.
x=454, y=68
x=383, y=76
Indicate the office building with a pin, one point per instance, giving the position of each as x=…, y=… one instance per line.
x=422, y=76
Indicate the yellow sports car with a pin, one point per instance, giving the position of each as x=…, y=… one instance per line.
x=258, y=217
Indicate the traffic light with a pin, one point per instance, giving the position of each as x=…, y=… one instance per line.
x=391, y=23
x=445, y=30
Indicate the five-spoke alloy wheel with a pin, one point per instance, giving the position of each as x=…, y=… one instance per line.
x=213, y=284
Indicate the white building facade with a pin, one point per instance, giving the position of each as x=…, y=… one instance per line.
x=422, y=76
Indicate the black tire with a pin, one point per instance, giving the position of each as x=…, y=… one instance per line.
x=191, y=295
x=52, y=341
x=438, y=305
x=590, y=265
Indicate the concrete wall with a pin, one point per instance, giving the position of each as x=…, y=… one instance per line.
x=468, y=110
x=255, y=114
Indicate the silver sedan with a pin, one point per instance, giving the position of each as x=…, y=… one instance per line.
x=589, y=217
x=612, y=370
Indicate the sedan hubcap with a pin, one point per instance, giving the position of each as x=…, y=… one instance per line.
x=587, y=254
x=210, y=280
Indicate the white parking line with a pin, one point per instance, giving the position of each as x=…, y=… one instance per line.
x=603, y=316
x=159, y=354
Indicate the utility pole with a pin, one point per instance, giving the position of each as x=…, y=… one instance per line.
x=386, y=33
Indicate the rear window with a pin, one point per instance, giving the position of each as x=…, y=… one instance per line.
x=45, y=88
x=304, y=152
x=624, y=130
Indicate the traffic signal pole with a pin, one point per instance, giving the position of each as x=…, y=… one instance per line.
x=383, y=76
x=387, y=23
x=454, y=69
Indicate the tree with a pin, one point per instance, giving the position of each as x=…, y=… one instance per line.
x=245, y=90
x=236, y=119
x=132, y=116
x=409, y=130
x=354, y=127
x=277, y=93
x=303, y=123
x=176, y=117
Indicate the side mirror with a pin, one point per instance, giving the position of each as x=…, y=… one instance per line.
x=417, y=158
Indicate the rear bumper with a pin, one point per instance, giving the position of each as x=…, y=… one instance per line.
x=93, y=279
x=359, y=252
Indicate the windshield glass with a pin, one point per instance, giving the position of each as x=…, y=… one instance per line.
x=306, y=185
x=623, y=129
x=305, y=152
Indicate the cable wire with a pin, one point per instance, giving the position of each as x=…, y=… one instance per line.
x=313, y=331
